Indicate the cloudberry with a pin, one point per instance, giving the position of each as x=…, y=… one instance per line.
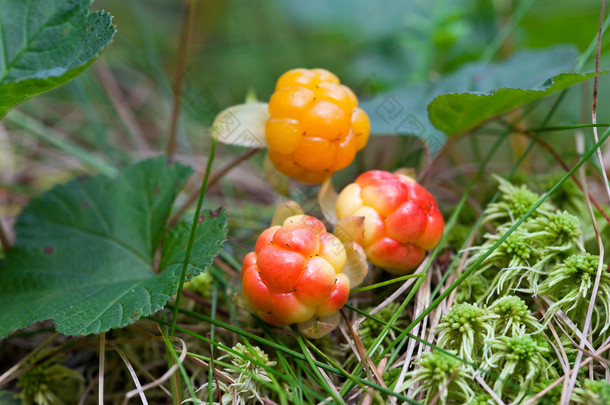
x=295, y=273
x=315, y=126
x=401, y=219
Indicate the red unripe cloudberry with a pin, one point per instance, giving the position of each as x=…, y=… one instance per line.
x=401, y=219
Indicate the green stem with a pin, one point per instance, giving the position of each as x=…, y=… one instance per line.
x=497, y=194
x=506, y=31
x=61, y=142
x=175, y=357
x=592, y=46
x=212, y=333
x=419, y=282
x=189, y=249
x=284, y=349
x=187, y=20
x=387, y=282
x=484, y=256
x=567, y=127
x=334, y=364
x=318, y=373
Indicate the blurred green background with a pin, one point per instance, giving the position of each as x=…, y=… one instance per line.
x=375, y=47
x=370, y=45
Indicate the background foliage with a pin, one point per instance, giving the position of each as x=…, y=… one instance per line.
x=433, y=76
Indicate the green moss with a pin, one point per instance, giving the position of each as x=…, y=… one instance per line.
x=464, y=329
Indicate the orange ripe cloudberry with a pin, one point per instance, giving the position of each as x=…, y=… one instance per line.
x=401, y=219
x=315, y=126
x=296, y=275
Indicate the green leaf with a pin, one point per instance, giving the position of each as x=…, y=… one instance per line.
x=9, y=398
x=404, y=110
x=46, y=43
x=459, y=112
x=84, y=254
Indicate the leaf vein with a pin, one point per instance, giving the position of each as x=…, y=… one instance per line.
x=109, y=237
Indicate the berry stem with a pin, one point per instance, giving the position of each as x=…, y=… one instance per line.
x=187, y=256
x=213, y=180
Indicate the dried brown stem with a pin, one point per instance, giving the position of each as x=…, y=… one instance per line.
x=445, y=386
x=211, y=182
x=200, y=300
x=214, y=371
x=121, y=106
x=367, y=362
x=567, y=168
x=179, y=77
x=568, y=388
x=102, y=356
x=6, y=244
x=549, y=387
x=488, y=389
x=595, y=91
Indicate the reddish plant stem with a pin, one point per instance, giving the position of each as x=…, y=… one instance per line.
x=213, y=180
x=6, y=244
x=558, y=158
x=367, y=361
x=568, y=388
x=117, y=97
x=179, y=77
x=202, y=301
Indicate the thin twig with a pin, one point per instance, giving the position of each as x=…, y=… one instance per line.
x=362, y=351
x=436, y=397
x=224, y=266
x=594, y=102
x=566, y=393
x=213, y=180
x=100, y=394
x=368, y=398
x=488, y=389
x=6, y=244
x=560, y=315
x=213, y=369
x=134, y=377
x=346, y=335
x=87, y=390
x=565, y=363
x=168, y=373
x=4, y=378
x=144, y=368
x=232, y=164
x=179, y=77
x=189, y=248
x=121, y=106
x=202, y=301
x=421, y=297
x=549, y=387
x=567, y=168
